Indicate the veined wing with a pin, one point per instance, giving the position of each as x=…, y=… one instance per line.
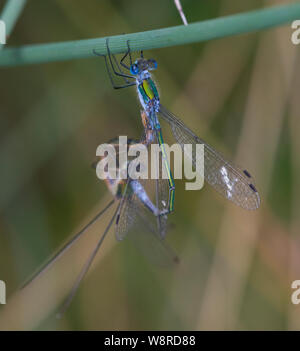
x=127, y=213
x=135, y=198
x=134, y=201
x=161, y=196
x=131, y=205
x=128, y=203
x=150, y=242
x=233, y=183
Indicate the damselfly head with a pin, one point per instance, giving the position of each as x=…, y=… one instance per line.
x=141, y=65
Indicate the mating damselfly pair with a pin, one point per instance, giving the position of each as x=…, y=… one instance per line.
x=230, y=181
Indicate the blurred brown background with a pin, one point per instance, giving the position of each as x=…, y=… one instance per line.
x=238, y=93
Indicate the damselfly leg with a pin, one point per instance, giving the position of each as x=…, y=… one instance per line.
x=116, y=69
x=128, y=52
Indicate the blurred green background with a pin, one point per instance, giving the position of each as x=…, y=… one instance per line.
x=239, y=93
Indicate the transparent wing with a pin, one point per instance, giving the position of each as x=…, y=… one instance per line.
x=129, y=205
x=66, y=247
x=127, y=214
x=150, y=243
x=162, y=198
x=129, y=202
x=233, y=183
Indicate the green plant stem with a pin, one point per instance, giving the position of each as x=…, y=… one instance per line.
x=10, y=14
x=179, y=35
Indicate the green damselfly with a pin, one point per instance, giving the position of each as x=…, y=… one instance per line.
x=233, y=183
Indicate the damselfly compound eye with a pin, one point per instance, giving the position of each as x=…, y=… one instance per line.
x=152, y=64
x=134, y=69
